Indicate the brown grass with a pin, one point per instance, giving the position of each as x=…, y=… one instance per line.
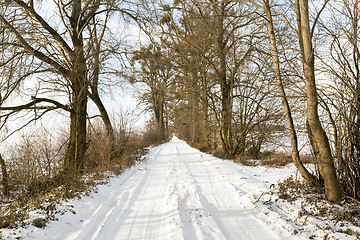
x=307, y=159
x=315, y=204
x=270, y=159
x=43, y=189
x=201, y=147
x=245, y=160
x=276, y=160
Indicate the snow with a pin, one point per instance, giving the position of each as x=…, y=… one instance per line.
x=181, y=193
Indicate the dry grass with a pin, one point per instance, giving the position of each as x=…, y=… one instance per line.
x=245, y=160
x=201, y=147
x=34, y=158
x=267, y=158
x=315, y=204
x=307, y=159
x=38, y=180
x=271, y=159
x=276, y=160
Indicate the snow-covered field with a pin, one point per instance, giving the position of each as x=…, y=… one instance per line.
x=181, y=193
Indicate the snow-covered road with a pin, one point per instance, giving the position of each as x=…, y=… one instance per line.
x=178, y=193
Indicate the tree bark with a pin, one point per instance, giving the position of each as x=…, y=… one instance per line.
x=5, y=181
x=311, y=179
x=75, y=153
x=324, y=158
x=226, y=88
x=226, y=113
x=158, y=106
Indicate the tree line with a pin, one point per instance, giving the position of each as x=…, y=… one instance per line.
x=227, y=74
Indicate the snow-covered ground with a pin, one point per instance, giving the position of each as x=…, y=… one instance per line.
x=181, y=193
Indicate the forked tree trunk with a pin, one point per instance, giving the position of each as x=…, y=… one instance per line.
x=95, y=96
x=226, y=86
x=226, y=106
x=311, y=179
x=324, y=156
x=75, y=154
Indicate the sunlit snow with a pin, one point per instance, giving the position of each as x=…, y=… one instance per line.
x=180, y=193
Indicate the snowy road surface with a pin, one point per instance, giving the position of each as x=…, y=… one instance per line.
x=178, y=193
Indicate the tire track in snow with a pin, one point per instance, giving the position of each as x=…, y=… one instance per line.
x=229, y=220
x=178, y=194
x=106, y=210
x=107, y=213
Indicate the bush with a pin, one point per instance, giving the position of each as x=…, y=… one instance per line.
x=276, y=160
x=42, y=181
x=315, y=204
x=219, y=153
x=201, y=147
x=39, y=222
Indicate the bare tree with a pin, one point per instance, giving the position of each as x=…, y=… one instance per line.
x=321, y=142
x=65, y=52
x=229, y=30
x=290, y=122
x=341, y=96
x=157, y=73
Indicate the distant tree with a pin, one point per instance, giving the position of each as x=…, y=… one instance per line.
x=157, y=73
x=222, y=34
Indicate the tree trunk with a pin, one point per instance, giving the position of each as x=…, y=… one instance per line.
x=106, y=120
x=311, y=179
x=226, y=118
x=226, y=86
x=324, y=158
x=70, y=151
x=74, y=157
x=104, y=115
x=158, y=107
x=205, y=120
x=75, y=154
x=5, y=181
x=226, y=104
x=162, y=122
x=95, y=97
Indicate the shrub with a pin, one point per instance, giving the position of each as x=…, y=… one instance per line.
x=39, y=222
x=276, y=159
x=201, y=147
x=219, y=153
x=41, y=180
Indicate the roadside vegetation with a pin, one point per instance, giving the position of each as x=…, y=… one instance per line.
x=38, y=185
